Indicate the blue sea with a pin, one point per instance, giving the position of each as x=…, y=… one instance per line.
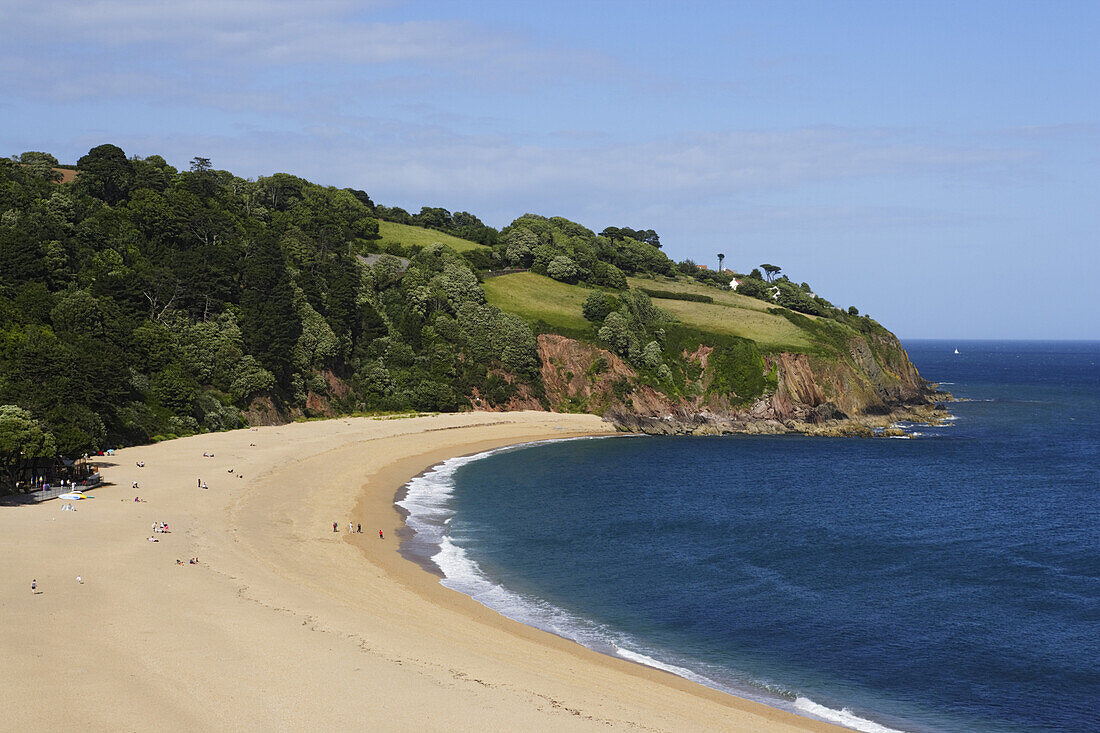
x=949, y=581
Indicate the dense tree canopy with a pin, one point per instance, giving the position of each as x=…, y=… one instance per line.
x=569, y=252
x=140, y=301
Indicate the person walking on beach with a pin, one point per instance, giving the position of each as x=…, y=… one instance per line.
x=334, y=526
x=380, y=535
x=34, y=585
x=359, y=529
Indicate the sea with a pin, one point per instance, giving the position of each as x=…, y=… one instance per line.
x=948, y=580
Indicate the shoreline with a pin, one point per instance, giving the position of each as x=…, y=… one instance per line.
x=429, y=504
x=284, y=625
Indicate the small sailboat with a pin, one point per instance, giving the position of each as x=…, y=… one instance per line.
x=956, y=351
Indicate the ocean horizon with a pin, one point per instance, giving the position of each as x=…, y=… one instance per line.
x=945, y=581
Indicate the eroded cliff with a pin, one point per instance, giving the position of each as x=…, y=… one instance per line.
x=869, y=383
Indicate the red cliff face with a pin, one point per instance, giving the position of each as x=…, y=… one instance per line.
x=873, y=377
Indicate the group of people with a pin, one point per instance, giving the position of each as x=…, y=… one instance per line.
x=192, y=561
x=355, y=528
x=160, y=527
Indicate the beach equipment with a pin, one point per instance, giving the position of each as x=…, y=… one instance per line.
x=74, y=496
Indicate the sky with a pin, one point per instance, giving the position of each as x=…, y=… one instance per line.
x=933, y=163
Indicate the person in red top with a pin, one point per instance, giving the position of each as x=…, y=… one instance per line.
x=380, y=535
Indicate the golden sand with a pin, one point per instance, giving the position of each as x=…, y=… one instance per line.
x=284, y=624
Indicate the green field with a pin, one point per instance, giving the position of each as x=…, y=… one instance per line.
x=770, y=332
x=730, y=313
x=723, y=297
x=391, y=233
x=536, y=298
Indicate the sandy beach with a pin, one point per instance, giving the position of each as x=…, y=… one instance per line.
x=284, y=624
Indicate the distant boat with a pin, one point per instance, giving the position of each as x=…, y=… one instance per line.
x=956, y=351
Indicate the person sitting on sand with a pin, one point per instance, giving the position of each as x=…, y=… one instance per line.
x=152, y=539
x=141, y=464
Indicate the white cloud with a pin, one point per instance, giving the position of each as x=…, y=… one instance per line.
x=212, y=45
x=410, y=164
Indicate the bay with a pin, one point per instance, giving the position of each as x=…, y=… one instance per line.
x=945, y=582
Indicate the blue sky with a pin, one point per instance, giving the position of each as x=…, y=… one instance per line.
x=934, y=164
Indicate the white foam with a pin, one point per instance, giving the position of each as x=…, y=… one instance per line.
x=429, y=515
x=843, y=717
x=665, y=666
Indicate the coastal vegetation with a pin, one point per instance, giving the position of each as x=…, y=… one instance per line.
x=139, y=302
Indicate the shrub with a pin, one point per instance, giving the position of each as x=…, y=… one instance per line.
x=598, y=305
x=564, y=269
x=670, y=295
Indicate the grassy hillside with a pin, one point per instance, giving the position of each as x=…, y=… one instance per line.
x=686, y=285
x=536, y=298
x=730, y=314
x=391, y=232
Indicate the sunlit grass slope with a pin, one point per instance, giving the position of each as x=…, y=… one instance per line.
x=391, y=232
x=725, y=297
x=730, y=313
x=536, y=298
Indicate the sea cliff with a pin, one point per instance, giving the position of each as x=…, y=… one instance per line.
x=859, y=391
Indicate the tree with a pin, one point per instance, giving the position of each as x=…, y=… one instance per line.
x=598, y=305
x=41, y=164
x=22, y=440
x=720, y=258
x=521, y=245
x=153, y=173
x=269, y=320
x=105, y=173
x=771, y=271
x=616, y=333
x=563, y=268
x=362, y=197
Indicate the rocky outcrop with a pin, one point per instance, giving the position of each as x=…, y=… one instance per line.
x=865, y=387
